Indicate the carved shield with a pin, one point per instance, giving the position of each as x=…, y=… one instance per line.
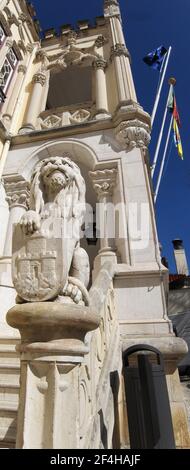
x=40, y=265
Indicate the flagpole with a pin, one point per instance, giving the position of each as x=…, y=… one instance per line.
x=163, y=161
x=172, y=82
x=160, y=87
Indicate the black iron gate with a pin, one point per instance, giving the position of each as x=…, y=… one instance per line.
x=148, y=407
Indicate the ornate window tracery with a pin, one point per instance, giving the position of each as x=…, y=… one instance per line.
x=2, y=35
x=7, y=70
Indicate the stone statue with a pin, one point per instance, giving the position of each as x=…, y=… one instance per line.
x=48, y=262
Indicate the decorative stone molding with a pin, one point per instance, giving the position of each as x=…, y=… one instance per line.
x=133, y=134
x=82, y=115
x=65, y=119
x=100, y=63
x=18, y=194
x=51, y=122
x=119, y=50
x=39, y=78
x=104, y=181
x=100, y=41
x=73, y=55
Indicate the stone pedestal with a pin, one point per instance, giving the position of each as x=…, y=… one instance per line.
x=52, y=349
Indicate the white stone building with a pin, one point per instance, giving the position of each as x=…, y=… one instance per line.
x=74, y=94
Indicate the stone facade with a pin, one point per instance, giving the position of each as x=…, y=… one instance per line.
x=71, y=356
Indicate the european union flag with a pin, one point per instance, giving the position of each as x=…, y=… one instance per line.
x=155, y=58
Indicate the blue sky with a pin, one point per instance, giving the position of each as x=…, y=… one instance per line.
x=148, y=24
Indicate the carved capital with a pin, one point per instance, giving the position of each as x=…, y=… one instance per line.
x=100, y=63
x=39, y=78
x=17, y=194
x=119, y=50
x=22, y=17
x=133, y=134
x=104, y=181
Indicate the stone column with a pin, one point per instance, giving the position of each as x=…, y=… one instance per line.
x=104, y=182
x=101, y=89
x=13, y=98
x=126, y=89
x=52, y=349
x=34, y=108
x=17, y=198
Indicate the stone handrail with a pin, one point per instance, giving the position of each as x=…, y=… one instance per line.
x=94, y=377
x=101, y=285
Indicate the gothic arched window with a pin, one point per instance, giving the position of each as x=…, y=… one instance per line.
x=7, y=70
x=2, y=35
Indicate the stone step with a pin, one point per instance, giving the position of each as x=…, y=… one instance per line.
x=10, y=342
x=9, y=373
x=9, y=393
x=9, y=359
x=8, y=425
x=4, y=444
x=8, y=407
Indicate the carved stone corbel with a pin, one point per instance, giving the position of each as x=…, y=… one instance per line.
x=133, y=133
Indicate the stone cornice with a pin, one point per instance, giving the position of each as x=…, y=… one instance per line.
x=132, y=111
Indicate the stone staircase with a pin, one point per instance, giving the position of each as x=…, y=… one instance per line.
x=9, y=391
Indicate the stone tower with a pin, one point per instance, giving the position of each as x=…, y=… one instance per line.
x=74, y=94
